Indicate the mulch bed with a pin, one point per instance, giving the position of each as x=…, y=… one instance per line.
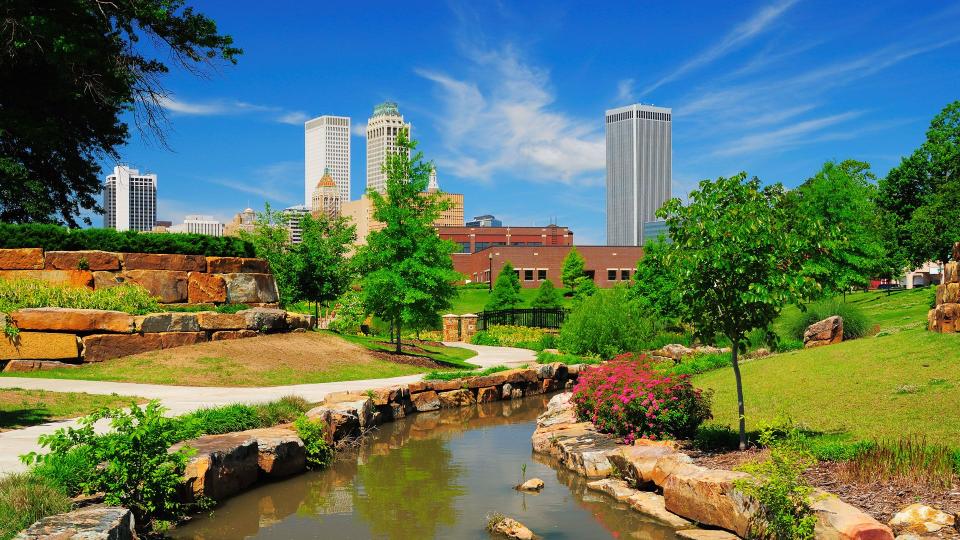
x=880, y=500
x=408, y=359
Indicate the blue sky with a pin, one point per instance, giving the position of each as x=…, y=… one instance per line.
x=508, y=98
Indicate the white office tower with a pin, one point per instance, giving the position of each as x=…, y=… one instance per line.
x=326, y=146
x=382, y=130
x=639, y=169
x=293, y=215
x=129, y=200
x=197, y=224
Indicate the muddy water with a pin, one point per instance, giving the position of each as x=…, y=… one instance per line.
x=433, y=475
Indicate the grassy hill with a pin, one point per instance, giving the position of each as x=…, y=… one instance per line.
x=903, y=380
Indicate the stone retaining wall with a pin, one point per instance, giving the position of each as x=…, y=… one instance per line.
x=945, y=316
x=172, y=279
x=664, y=484
x=47, y=338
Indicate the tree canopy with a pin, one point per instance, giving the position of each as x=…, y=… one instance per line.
x=573, y=268
x=737, y=259
x=548, y=297
x=407, y=271
x=323, y=271
x=506, y=290
x=69, y=72
x=654, y=286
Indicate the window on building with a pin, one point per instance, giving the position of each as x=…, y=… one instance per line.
x=625, y=274
x=541, y=274
x=611, y=274
x=517, y=271
x=590, y=274
x=528, y=274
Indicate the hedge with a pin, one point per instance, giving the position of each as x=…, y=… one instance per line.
x=57, y=238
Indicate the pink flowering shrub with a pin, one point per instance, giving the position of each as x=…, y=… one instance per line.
x=629, y=398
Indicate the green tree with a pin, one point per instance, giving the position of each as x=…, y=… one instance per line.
x=654, y=287
x=548, y=297
x=573, y=267
x=407, y=271
x=836, y=209
x=506, y=290
x=583, y=287
x=69, y=71
x=323, y=272
x=271, y=241
x=935, y=227
x=738, y=261
x=921, y=180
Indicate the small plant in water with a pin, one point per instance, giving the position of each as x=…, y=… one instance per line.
x=494, y=520
x=523, y=469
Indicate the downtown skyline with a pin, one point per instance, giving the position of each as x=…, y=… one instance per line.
x=513, y=117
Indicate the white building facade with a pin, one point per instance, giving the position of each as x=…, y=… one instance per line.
x=326, y=146
x=293, y=216
x=198, y=224
x=639, y=169
x=382, y=130
x=129, y=200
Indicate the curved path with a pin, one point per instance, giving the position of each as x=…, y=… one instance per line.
x=184, y=399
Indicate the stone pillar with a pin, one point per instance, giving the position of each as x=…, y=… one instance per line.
x=468, y=327
x=945, y=316
x=451, y=327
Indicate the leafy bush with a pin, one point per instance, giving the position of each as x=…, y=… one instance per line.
x=547, y=296
x=506, y=290
x=855, y=323
x=239, y=417
x=350, y=313
x=544, y=357
x=698, y=363
x=606, y=324
x=57, y=238
x=131, y=464
x=629, y=398
x=461, y=374
x=786, y=344
x=66, y=470
x=523, y=337
x=319, y=452
x=30, y=293
x=26, y=498
x=783, y=494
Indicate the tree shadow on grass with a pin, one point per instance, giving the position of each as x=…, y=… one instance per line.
x=19, y=418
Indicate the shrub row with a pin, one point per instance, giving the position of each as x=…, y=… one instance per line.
x=57, y=238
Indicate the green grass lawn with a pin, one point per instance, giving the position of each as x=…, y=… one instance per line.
x=455, y=357
x=22, y=408
x=472, y=300
x=879, y=387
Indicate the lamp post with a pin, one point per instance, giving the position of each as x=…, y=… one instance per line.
x=490, y=274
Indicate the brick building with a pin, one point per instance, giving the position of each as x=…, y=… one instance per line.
x=474, y=239
x=607, y=265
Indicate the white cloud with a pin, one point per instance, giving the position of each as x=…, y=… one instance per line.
x=783, y=136
x=280, y=182
x=734, y=39
x=503, y=119
x=358, y=129
x=625, y=92
x=223, y=107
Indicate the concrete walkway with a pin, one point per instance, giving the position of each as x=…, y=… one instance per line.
x=184, y=399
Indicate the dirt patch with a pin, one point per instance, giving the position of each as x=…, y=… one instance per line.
x=879, y=500
x=408, y=359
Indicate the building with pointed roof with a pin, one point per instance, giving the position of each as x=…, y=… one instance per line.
x=326, y=196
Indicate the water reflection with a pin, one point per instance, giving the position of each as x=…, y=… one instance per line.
x=433, y=475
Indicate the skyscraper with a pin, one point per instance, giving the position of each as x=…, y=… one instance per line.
x=326, y=198
x=129, y=200
x=326, y=145
x=639, y=169
x=382, y=130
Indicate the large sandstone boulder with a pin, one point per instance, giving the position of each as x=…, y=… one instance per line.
x=79, y=279
x=511, y=528
x=211, y=320
x=90, y=523
x=203, y=288
x=837, y=520
x=300, y=320
x=652, y=505
x=456, y=398
x=169, y=340
x=636, y=463
x=251, y=288
x=221, y=335
x=223, y=465
x=920, y=519
x=21, y=259
x=340, y=423
x=706, y=534
x=614, y=487
x=99, y=347
x=237, y=265
x=708, y=496
x=168, y=286
x=264, y=319
x=159, y=261
x=488, y=394
x=280, y=452
x=825, y=332
x=425, y=401
x=167, y=322
x=82, y=260
x=72, y=320
x=18, y=366
x=40, y=346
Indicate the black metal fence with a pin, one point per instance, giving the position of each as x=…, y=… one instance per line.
x=532, y=317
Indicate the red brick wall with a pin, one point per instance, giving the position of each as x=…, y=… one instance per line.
x=599, y=259
x=473, y=236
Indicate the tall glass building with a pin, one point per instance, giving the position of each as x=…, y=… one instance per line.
x=639, y=169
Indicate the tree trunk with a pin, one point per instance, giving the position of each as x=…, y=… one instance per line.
x=316, y=310
x=399, y=350
x=736, y=374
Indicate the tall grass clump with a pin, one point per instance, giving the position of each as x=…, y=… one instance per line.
x=461, y=374
x=26, y=498
x=33, y=293
x=907, y=461
x=607, y=323
x=240, y=417
x=855, y=323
